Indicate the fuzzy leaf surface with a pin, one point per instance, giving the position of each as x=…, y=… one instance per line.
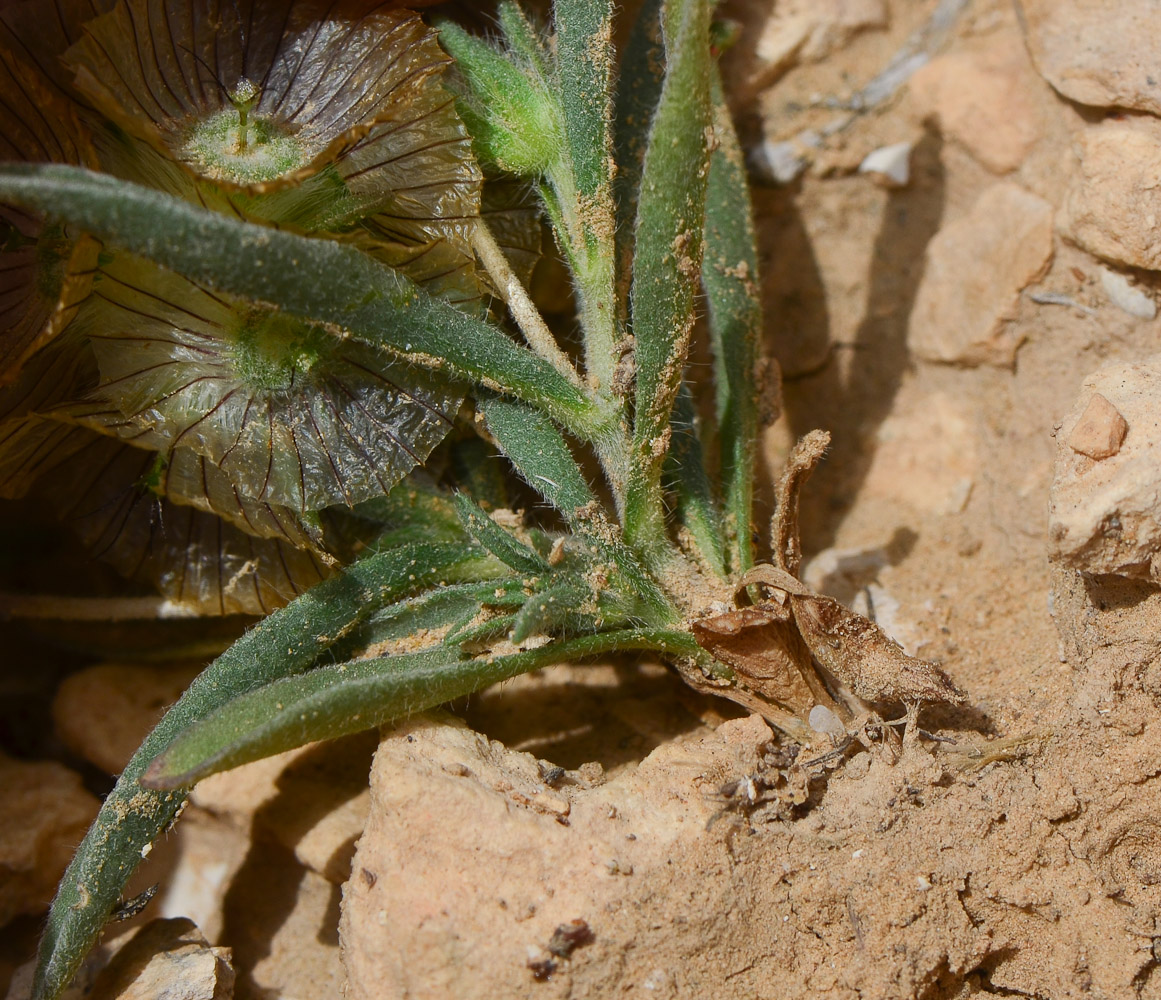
x=729, y=276
x=543, y=459
x=540, y=455
x=686, y=477
x=502, y=544
x=286, y=642
x=667, y=259
x=344, y=698
x=371, y=301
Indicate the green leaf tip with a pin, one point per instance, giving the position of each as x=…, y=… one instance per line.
x=509, y=109
x=502, y=544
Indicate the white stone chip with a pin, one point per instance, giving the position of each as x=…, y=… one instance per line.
x=1124, y=295
x=890, y=164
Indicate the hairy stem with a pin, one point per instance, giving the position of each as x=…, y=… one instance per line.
x=519, y=304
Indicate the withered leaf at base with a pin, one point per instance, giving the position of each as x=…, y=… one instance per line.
x=767, y=653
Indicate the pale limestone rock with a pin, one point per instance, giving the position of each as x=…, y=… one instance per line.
x=780, y=162
x=1105, y=516
x=210, y=852
x=926, y=456
x=470, y=862
x=1105, y=53
x=247, y=891
x=975, y=269
x=810, y=30
x=166, y=960
x=1100, y=431
x=104, y=712
x=44, y=812
x=263, y=848
x=282, y=923
x=983, y=101
x=1113, y=206
x=778, y=47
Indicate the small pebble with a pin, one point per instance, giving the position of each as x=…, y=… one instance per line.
x=780, y=162
x=823, y=720
x=1100, y=431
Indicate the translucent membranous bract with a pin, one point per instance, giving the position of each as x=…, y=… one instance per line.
x=292, y=413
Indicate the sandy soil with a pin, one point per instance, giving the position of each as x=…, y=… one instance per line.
x=1022, y=859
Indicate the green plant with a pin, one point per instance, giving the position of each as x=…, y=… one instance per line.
x=262, y=331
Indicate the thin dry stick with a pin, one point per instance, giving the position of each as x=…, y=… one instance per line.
x=520, y=305
x=91, y=609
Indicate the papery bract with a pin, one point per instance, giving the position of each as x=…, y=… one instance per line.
x=293, y=413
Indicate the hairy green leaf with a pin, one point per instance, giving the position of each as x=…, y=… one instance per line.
x=486, y=630
x=584, y=53
x=455, y=607
x=344, y=698
x=549, y=609
x=686, y=476
x=638, y=92
x=584, y=190
x=286, y=642
x=729, y=276
x=522, y=36
x=667, y=260
x=540, y=455
x=502, y=544
x=371, y=301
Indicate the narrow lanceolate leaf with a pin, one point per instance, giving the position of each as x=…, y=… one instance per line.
x=346, y=698
x=541, y=456
x=729, y=276
x=522, y=36
x=454, y=606
x=286, y=642
x=584, y=53
x=452, y=610
x=503, y=545
x=584, y=57
x=638, y=91
x=667, y=259
x=370, y=301
x=686, y=477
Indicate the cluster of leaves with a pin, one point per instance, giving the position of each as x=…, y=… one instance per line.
x=258, y=260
